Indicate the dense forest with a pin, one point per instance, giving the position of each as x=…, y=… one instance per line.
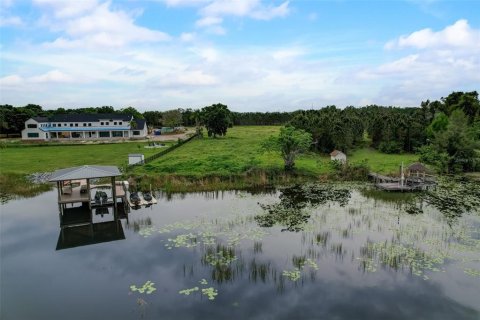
x=444, y=132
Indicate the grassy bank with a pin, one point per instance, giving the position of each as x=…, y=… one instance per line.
x=18, y=184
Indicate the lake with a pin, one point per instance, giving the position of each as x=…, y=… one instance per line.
x=304, y=252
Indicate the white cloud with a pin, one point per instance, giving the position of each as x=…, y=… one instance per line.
x=288, y=53
x=179, y=3
x=12, y=80
x=458, y=35
x=185, y=79
x=208, y=21
x=12, y=21
x=67, y=9
x=54, y=76
x=99, y=27
x=440, y=62
x=213, y=12
x=187, y=36
x=245, y=8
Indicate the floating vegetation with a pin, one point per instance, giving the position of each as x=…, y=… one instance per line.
x=187, y=292
x=293, y=275
x=368, y=264
x=148, y=288
x=146, y=231
x=219, y=256
x=398, y=256
x=472, y=272
x=300, y=263
x=183, y=240
x=211, y=293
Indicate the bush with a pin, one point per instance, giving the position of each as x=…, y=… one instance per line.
x=389, y=147
x=350, y=171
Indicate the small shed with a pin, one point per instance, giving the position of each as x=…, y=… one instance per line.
x=416, y=169
x=134, y=158
x=338, y=155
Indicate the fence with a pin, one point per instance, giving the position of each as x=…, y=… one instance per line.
x=163, y=152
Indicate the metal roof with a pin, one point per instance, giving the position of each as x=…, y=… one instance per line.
x=85, y=172
x=61, y=129
x=92, y=117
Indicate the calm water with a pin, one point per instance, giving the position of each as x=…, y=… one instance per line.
x=355, y=254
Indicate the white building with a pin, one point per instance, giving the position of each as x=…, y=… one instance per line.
x=84, y=127
x=338, y=155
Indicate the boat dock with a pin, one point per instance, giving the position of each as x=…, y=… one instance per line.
x=415, y=179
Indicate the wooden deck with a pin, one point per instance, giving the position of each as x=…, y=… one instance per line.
x=381, y=178
x=76, y=196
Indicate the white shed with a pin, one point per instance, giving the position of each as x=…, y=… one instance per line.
x=134, y=158
x=338, y=155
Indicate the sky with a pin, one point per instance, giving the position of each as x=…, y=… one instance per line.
x=251, y=55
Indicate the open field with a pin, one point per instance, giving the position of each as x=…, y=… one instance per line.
x=240, y=151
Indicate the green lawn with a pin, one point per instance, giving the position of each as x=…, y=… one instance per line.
x=27, y=160
x=241, y=150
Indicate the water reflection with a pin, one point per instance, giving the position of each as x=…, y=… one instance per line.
x=81, y=226
x=290, y=213
x=83, y=235
x=354, y=257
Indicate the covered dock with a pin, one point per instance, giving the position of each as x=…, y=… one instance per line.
x=75, y=186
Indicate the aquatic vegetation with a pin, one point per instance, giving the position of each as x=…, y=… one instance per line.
x=472, y=272
x=148, y=288
x=368, y=264
x=395, y=256
x=293, y=275
x=183, y=240
x=146, y=231
x=221, y=256
x=211, y=293
x=187, y=292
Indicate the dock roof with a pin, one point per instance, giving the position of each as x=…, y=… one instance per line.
x=85, y=172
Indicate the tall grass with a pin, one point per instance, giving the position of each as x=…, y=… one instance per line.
x=12, y=184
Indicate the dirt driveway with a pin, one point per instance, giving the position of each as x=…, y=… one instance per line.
x=170, y=137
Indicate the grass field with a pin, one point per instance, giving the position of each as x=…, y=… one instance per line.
x=43, y=159
x=241, y=151
x=237, y=153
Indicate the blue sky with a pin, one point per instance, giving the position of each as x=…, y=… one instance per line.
x=252, y=55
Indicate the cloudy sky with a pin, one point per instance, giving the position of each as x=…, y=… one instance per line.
x=252, y=55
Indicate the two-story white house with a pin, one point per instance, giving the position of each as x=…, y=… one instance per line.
x=84, y=127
